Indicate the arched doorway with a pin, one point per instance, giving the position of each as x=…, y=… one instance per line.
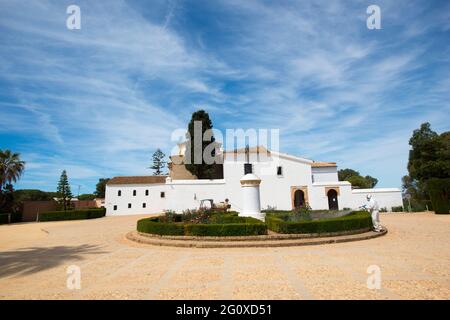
x=332, y=199
x=299, y=199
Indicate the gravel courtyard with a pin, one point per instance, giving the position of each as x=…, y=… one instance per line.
x=414, y=258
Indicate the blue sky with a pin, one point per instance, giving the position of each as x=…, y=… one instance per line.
x=98, y=101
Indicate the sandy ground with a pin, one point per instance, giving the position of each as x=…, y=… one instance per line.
x=414, y=260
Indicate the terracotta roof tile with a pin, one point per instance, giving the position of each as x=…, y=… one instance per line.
x=323, y=164
x=138, y=180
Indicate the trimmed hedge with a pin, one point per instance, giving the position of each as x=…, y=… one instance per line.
x=220, y=225
x=72, y=214
x=154, y=226
x=226, y=229
x=353, y=221
x=15, y=217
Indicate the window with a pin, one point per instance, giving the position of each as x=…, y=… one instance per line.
x=146, y=192
x=115, y=208
x=129, y=206
x=134, y=193
x=248, y=168
x=119, y=193
x=144, y=205
x=279, y=171
x=163, y=194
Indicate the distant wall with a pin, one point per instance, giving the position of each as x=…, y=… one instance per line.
x=386, y=197
x=81, y=204
x=30, y=209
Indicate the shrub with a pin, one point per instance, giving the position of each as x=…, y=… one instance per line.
x=439, y=190
x=170, y=216
x=15, y=217
x=417, y=205
x=227, y=229
x=72, y=214
x=353, y=221
x=397, y=209
x=219, y=225
x=156, y=226
x=196, y=215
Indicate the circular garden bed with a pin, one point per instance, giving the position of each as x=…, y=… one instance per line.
x=202, y=224
x=281, y=228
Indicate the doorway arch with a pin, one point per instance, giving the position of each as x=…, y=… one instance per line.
x=332, y=199
x=299, y=199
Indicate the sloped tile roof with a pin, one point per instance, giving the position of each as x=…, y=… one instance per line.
x=138, y=180
x=323, y=164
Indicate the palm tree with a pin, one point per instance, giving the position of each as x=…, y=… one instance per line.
x=11, y=168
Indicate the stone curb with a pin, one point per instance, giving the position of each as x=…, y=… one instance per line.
x=266, y=242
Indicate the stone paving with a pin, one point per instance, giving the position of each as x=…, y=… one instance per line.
x=414, y=258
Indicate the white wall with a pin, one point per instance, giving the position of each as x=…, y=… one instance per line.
x=275, y=190
x=386, y=197
x=319, y=199
x=187, y=194
x=179, y=195
x=154, y=202
x=324, y=174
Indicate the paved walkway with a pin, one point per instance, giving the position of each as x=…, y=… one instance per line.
x=414, y=259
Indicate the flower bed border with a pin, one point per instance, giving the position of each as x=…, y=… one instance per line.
x=271, y=240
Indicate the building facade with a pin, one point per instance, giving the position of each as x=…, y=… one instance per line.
x=287, y=182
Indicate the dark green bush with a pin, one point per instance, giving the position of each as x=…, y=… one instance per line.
x=353, y=221
x=72, y=214
x=439, y=190
x=397, y=209
x=15, y=217
x=155, y=226
x=219, y=225
x=227, y=229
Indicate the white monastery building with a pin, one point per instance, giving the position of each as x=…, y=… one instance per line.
x=287, y=182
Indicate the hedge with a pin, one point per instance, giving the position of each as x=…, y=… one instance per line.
x=397, y=209
x=223, y=225
x=154, y=226
x=227, y=229
x=72, y=214
x=439, y=190
x=353, y=221
x=15, y=217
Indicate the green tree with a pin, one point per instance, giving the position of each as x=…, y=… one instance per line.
x=428, y=157
x=100, y=187
x=201, y=170
x=63, y=190
x=371, y=181
x=344, y=174
x=11, y=168
x=86, y=196
x=358, y=181
x=355, y=178
x=429, y=165
x=31, y=195
x=158, y=162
